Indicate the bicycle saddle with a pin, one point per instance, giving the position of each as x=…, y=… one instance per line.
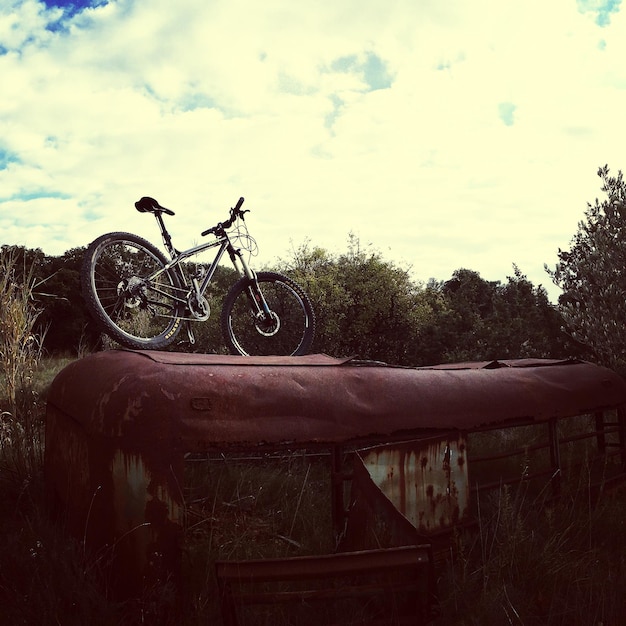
x=150, y=205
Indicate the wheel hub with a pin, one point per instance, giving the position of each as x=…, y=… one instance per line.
x=131, y=290
x=267, y=326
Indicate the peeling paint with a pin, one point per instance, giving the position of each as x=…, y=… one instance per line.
x=426, y=481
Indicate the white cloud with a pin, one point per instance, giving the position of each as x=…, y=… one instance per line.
x=385, y=119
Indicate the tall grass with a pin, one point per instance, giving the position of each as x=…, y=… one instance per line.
x=251, y=508
x=21, y=429
x=536, y=560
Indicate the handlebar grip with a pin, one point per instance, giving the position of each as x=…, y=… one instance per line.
x=228, y=223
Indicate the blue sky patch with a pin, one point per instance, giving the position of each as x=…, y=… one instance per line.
x=74, y=6
x=602, y=8
x=344, y=64
x=194, y=101
x=71, y=8
x=40, y=193
x=6, y=158
x=506, y=112
x=373, y=69
x=376, y=74
x=338, y=104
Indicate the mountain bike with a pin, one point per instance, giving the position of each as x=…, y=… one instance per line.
x=141, y=299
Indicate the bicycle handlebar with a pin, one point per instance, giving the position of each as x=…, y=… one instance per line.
x=234, y=213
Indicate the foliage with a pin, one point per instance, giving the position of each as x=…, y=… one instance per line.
x=364, y=306
x=592, y=275
x=63, y=321
x=70, y=327
x=486, y=320
x=370, y=308
x=208, y=335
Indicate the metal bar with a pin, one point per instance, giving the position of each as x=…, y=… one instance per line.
x=406, y=569
x=555, y=456
x=510, y=453
x=311, y=567
x=588, y=435
x=337, y=490
x=600, y=426
x=621, y=421
x=330, y=593
x=512, y=481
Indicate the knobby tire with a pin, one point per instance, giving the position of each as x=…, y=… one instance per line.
x=289, y=333
x=136, y=313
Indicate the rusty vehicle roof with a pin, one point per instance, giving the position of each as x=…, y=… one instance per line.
x=199, y=401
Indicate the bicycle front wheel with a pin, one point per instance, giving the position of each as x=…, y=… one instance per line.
x=268, y=316
x=129, y=293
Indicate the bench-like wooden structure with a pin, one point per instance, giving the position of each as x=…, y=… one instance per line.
x=386, y=586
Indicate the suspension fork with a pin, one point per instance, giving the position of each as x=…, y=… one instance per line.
x=255, y=295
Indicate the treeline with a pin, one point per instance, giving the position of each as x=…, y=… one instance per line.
x=365, y=306
x=368, y=307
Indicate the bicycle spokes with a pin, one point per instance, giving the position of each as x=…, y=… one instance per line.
x=137, y=304
x=268, y=317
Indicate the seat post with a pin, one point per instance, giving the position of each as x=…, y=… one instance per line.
x=167, y=240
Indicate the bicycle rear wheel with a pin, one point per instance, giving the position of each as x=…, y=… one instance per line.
x=133, y=303
x=288, y=329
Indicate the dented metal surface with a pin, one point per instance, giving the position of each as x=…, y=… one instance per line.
x=199, y=401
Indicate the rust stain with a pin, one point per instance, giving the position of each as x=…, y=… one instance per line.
x=423, y=479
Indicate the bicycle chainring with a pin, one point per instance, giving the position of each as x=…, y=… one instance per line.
x=198, y=307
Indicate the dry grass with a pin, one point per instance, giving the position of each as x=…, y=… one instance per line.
x=250, y=508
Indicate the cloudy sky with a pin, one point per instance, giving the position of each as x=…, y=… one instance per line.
x=445, y=133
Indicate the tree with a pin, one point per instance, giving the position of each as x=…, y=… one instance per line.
x=69, y=327
x=364, y=305
x=368, y=307
x=488, y=320
x=592, y=275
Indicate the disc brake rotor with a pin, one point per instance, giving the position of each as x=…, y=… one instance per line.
x=267, y=327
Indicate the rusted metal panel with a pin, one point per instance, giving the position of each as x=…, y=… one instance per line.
x=426, y=481
x=124, y=505
x=120, y=422
x=397, y=585
x=199, y=401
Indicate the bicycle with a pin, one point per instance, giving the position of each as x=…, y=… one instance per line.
x=140, y=298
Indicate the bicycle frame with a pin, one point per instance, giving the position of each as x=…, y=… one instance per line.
x=222, y=240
